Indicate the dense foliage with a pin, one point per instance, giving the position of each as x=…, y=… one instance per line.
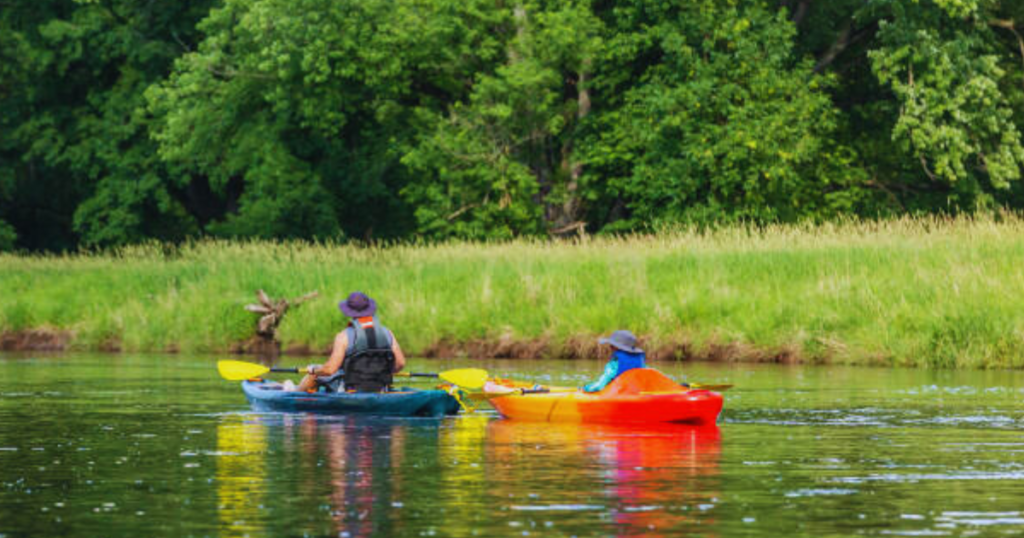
x=124, y=120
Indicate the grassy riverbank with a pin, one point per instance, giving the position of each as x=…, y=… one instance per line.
x=909, y=292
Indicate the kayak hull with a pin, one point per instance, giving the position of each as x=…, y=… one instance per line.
x=270, y=396
x=640, y=396
x=698, y=407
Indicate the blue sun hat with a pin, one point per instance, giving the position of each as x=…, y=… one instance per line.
x=624, y=340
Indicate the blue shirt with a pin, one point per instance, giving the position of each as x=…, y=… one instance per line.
x=622, y=361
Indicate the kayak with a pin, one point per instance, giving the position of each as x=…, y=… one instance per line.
x=271, y=396
x=638, y=396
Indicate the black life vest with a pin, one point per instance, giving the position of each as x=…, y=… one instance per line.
x=369, y=363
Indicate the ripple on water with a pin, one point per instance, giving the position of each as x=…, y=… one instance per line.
x=642, y=508
x=991, y=421
x=816, y=492
x=555, y=507
x=968, y=522
x=1003, y=419
x=811, y=418
x=981, y=519
x=922, y=477
x=963, y=390
x=919, y=532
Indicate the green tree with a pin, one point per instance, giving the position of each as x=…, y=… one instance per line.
x=718, y=119
x=504, y=161
x=932, y=94
x=75, y=149
x=121, y=122
x=303, y=107
x=956, y=118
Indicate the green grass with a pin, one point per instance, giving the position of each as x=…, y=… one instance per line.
x=943, y=293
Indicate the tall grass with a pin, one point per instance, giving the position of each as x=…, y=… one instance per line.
x=944, y=293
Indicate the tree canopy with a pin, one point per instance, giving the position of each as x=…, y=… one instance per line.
x=123, y=120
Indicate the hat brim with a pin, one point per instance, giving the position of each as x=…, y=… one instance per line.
x=370, y=309
x=619, y=346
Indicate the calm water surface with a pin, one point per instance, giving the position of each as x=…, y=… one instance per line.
x=122, y=445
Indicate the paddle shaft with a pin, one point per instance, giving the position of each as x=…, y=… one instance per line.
x=397, y=374
x=707, y=386
x=513, y=392
x=524, y=391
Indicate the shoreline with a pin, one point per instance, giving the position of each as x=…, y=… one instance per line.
x=576, y=348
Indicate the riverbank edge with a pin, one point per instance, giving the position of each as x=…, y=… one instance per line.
x=580, y=347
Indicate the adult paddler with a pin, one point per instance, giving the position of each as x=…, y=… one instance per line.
x=366, y=351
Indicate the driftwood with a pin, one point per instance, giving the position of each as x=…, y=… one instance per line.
x=271, y=313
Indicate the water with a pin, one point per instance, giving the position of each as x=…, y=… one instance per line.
x=120, y=445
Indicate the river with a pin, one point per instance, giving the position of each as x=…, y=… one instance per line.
x=158, y=445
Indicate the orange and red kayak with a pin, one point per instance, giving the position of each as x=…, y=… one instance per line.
x=637, y=396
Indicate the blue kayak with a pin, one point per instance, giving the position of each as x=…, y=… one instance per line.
x=271, y=396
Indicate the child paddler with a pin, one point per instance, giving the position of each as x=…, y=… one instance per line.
x=625, y=356
x=365, y=353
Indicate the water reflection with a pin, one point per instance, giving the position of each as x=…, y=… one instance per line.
x=241, y=468
x=463, y=483
x=361, y=477
x=350, y=463
x=654, y=480
x=144, y=446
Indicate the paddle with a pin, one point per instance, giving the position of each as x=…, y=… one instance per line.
x=472, y=378
x=509, y=391
x=702, y=386
x=498, y=391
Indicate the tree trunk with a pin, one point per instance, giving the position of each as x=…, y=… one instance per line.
x=519, y=14
x=843, y=41
x=800, y=12
x=567, y=218
x=1011, y=26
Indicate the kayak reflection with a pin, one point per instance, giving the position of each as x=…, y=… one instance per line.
x=651, y=480
x=459, y=489
x=241, y=470
x=355, y=459
x=356, y=476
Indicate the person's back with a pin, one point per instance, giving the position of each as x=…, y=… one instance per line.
x=369, y=360
x=365, y=354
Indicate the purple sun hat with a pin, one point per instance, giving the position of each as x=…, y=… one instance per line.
x=358, y=305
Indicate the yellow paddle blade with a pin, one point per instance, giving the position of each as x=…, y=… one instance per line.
x=467, y=378
x=239, y=371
